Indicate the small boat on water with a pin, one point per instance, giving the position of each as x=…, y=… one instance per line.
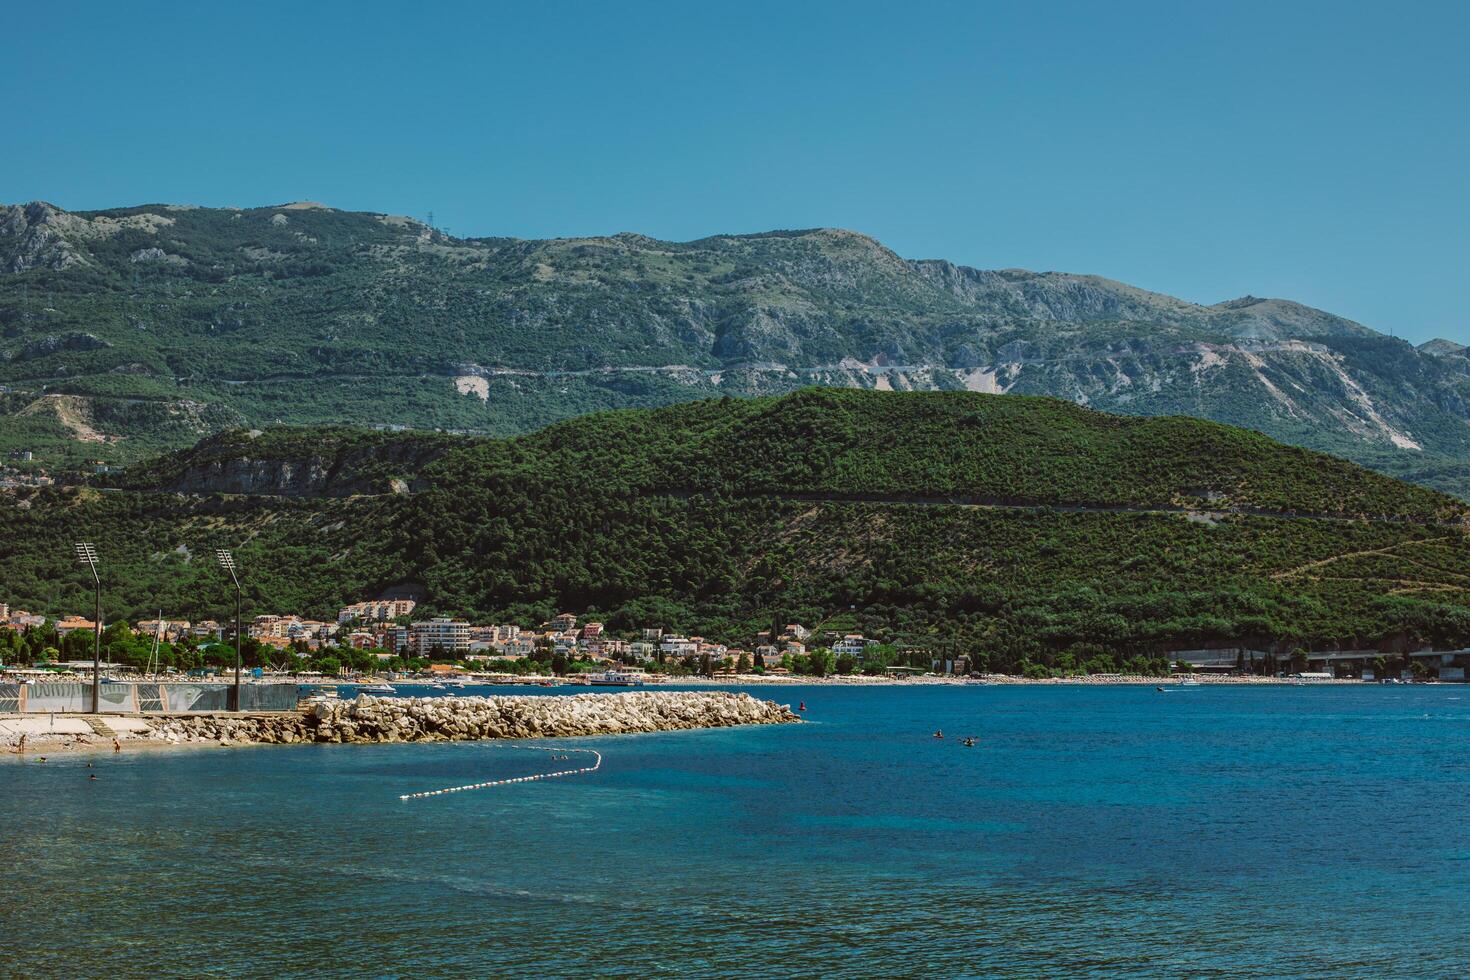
x=616, y=678
x=376, y=689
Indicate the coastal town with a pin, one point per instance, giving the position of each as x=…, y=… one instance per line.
x=385, y=637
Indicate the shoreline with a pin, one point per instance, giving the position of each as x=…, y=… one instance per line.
x=989, y=680
x=49, y=734
x=70, y=734
x=560, y=685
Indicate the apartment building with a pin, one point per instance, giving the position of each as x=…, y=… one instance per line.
x=450, y=635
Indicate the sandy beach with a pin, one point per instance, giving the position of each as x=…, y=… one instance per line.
x=54, y=734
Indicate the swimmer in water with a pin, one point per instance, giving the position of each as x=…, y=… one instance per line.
x=938, y=733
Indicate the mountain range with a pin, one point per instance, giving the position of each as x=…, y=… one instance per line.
x=131, y=331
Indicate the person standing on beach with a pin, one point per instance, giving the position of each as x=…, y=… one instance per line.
x=20, y=748
x=116, y=745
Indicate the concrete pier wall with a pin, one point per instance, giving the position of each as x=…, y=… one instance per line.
x=179, y=697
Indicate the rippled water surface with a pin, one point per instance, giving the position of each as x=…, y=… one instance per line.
x=1201, y=832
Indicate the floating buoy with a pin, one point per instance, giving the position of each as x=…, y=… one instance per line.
x=597, y=764
x=801, y=706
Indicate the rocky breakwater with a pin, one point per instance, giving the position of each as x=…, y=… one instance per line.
x=369, y=719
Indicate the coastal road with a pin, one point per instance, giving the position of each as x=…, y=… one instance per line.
x=1204, y=515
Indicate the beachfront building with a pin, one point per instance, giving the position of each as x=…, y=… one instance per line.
x=170, y=630
x=1378, y=665
x=207, y=630
x=715, y=651
x=492, y=637
x=958, y=665
x=394, y=639
x=21, y=619
x=521, y=645
x=267, y=625
x=678, y=646
x=68, y=623
x=852, y=645
x=450, y=635
x=376, y=610
x=310, y=630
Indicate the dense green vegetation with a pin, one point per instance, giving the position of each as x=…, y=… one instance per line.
x=701, y=518
x=996, y=449
x=162, y=324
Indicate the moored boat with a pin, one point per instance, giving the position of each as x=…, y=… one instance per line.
x=616, y=678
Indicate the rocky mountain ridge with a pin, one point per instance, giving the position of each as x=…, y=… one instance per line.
x=300, y=313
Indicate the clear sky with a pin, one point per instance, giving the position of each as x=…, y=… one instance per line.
x=1314, y=151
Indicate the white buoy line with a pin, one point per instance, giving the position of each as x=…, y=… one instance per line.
x=597, y=764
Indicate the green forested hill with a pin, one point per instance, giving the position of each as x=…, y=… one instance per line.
x=127, y=331
x=717, y=517
x=985, y=449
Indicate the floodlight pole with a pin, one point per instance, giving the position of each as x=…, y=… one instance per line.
x=87, y=554
x=96, y=640
x=235, y=697
x=227, y=560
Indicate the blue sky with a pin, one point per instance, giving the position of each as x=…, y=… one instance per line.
x=1314, y=151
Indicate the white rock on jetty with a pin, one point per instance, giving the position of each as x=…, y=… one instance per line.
x=369, y=719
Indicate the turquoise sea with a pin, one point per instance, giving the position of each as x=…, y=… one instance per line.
x=1202, y=832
